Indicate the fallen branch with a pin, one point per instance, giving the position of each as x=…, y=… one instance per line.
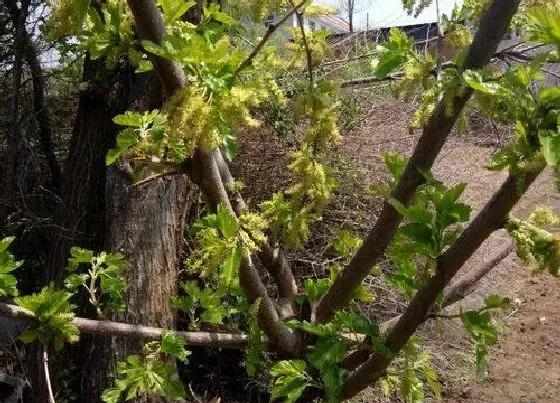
x=138, y=332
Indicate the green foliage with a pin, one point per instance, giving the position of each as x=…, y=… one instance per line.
x=255, y=346
x=393, y=54
x=345, y=244
x=105, y=279
x=331, y=347
x=415, y=6
x=145, y=134
x=201, y=304
x=290, y=380
x=348, y=117
x=174, y=345
x=482, y=329
x=431, y=225
x=483, y=333
x=409, y=374
x=53, y=314
x=544, y=25
x=148, y=374
x=8, y=282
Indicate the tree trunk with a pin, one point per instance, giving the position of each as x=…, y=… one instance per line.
x=81, y=215
x=146, y=224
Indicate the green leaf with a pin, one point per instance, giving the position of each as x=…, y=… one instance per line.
x=475, y=81
x=131, y=119
x=316, y=289
x=229, y=274
x=75, y=281
x=53, y=313
x=125, y=139
x=550, y=143
x=226, y=222
x=255, y=345
x=8, y=282
x=328, y=350
x=394, y=54
x=78, y=255
x=495, y=301
x=333, y=378
x=401, y=208
x=174, y=345
x=290, y=380
x=174, y=9
x=432, y=380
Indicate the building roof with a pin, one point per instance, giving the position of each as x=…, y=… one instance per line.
x=334, y=22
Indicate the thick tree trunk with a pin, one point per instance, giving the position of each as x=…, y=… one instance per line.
x=146, y=224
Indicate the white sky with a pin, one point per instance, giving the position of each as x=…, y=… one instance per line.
x=387, y=13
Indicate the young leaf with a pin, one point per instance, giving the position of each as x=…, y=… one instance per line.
x=255, y=347
x=174, y=345
x=290, y=380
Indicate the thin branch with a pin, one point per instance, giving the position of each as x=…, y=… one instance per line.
x=137, y=332
x=47, y=375
x=493, y=26
x=308, y=54
x=271, y=29
x=451, y=295
x=272, y=257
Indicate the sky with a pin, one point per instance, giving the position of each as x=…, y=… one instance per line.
x=387, y=13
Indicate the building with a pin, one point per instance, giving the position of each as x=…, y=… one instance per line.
x=333, y=24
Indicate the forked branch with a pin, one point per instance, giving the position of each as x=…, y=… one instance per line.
x=493, y=26
x=492, y=217
x=205, y=172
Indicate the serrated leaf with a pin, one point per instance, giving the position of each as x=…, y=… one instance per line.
x=550, y=143
x=125, y=139
x=226, y=222
x=174, y=345
x=78, y=255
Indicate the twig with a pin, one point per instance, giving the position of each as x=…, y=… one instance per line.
x=271, y=29
x=47, y=376
x=307, y=49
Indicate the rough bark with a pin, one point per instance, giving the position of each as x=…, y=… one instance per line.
x=492, y=28
x=146, y=224
x=41, y=111
x=13, y=148
x=81, y=214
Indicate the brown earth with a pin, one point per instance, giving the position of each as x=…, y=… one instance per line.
x=525, y=365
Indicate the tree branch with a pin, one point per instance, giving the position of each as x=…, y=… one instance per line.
x=451, y=294
x=493, y=26
x=273, y=258
x=205, y=173
x=492, y=217
x=271, y=29
x=137, y=332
